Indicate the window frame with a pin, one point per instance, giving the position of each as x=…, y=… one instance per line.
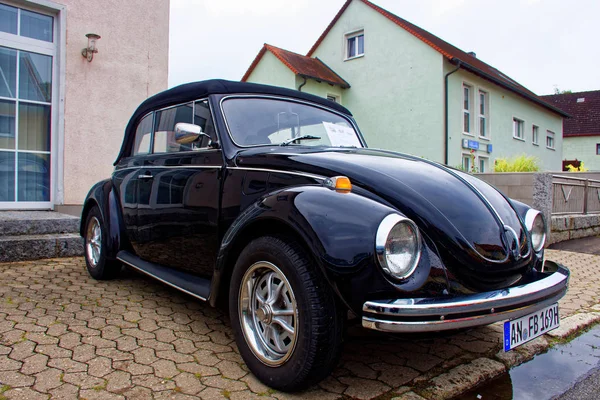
x=333, y=97
x=550, y=135
x=535, y=135
x=486, y=115
x=154, y=128
x=486, y=161
x=598, y=149
x=347, y=37
x=469, y=98
x=464, y=157
x=522, y=130
x=151, y=144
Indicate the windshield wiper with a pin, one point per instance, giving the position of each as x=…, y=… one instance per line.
x=291, y=140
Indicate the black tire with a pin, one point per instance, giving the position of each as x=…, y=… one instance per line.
x=319, y=320
x=102, y=268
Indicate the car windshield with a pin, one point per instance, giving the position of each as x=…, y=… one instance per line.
x=259, y=121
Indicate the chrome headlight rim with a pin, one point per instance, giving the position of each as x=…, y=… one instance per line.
x=383, y=232
x=530, y=218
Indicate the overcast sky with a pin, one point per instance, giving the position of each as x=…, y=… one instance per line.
x=541, y=44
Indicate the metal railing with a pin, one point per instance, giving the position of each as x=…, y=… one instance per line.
x=572, y=195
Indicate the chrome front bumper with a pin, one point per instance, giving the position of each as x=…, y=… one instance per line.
x=444, y=313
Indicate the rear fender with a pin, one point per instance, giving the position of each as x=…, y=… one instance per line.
x=103, y=195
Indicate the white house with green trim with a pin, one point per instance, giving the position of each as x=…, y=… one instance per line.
x=410, y=91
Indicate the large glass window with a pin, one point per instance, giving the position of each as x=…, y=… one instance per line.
x=164, y=129
x=483, y=114
x=8, y=19
x=25, y=125
x=36, y=26
x=260, y=121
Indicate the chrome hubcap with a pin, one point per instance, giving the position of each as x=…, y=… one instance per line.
x=93, y=242
x=268, y=313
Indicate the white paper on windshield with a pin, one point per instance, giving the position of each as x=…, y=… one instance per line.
x=341, y=135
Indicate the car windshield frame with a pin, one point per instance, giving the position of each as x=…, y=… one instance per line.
x=347, y=118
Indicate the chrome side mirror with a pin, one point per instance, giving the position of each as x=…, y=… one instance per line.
x=187, y=133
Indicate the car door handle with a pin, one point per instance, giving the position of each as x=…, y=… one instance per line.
x=145, y=176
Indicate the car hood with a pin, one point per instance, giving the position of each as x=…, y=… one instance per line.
x=470, y=224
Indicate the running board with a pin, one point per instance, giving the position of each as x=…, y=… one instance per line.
x=186, y=282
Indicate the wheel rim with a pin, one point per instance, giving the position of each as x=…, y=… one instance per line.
x=268, y=313
x=93, y=242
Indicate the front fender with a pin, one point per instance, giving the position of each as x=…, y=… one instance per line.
x=338, y=228
x=103, y=195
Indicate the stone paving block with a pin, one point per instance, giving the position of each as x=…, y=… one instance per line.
x=133, y=338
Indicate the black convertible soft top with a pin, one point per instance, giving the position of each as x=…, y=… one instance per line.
x=196, y=90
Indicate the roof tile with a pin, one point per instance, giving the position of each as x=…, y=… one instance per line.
x=584, y=108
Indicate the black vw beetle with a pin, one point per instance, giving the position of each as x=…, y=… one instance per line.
x=268, y=201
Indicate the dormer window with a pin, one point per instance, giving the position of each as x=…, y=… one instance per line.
x=355, y=44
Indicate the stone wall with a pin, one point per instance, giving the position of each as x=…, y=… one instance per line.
x=567, y=227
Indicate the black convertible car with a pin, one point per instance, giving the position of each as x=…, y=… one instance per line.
x=267, y=201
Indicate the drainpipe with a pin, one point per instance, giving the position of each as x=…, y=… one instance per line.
x=302, y=84
x=446, y=111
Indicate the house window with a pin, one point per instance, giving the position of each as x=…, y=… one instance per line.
x=550, y=140
x=467, y=104
x=355, y=44
x=467, y=162
x=483, y=114
x=535, y=133
x=483, y=164
x=332, y=98
x=518, y=129
x=597, y=148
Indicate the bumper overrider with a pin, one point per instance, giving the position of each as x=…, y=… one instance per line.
x=444, y=313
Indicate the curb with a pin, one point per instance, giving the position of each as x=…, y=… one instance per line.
x=481, y=370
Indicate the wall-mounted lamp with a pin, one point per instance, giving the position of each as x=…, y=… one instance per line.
x=91, y=49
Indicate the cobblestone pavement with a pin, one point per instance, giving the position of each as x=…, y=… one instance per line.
x=64, y=335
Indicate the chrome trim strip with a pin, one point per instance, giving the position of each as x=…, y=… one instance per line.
x=318, y=177
x=543, y=292
x=170, y=167
x=450, y=324
x=262, y=96
x=161, y=280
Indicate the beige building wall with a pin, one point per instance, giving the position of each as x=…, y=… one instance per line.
x=582, y=148
x=100, y=96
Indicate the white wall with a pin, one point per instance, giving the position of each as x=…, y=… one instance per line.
x=101, y=96
x=395, y=92
x=503, y=106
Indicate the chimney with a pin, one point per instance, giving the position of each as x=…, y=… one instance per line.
x=472, y=53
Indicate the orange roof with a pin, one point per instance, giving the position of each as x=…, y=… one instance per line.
x=304, y=66
x=452, y=53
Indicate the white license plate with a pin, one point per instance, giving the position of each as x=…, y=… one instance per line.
x=528, y=327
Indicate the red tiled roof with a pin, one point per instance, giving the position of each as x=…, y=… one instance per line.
x=300, y=65
x=452, y=53
x=584, y=108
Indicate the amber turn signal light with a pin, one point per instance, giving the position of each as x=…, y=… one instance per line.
x=340, y=183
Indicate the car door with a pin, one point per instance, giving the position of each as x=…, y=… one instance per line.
x=178, y=194
x=125, y=178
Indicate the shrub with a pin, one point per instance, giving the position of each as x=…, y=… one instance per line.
x=581, y=168
x=522, y=163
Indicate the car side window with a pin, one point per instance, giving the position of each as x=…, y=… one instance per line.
x=204, y=120
x=143, y=135
x=164, y=129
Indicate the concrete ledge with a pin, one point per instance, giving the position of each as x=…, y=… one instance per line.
x=35, y=247
x=574, y=323
x=463, y=378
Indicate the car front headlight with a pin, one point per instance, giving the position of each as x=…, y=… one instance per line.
x=536, y=224
x=398, y=246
